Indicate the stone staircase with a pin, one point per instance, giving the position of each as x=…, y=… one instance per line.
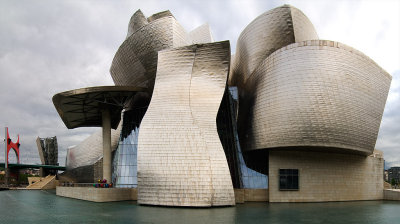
x=48, y=182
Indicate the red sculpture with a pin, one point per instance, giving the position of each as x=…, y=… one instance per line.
x=12, y=145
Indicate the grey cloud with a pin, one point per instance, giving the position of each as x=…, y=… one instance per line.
x=389, y=133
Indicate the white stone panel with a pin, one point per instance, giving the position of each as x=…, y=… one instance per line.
x=327, y=176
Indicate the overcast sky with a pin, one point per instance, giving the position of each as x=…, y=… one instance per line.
x=48, y=47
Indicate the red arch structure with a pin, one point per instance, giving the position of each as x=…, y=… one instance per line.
x=12, y=145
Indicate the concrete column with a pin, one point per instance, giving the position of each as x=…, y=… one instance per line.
x=42, y=172
x=106, y=122
x=7, y=176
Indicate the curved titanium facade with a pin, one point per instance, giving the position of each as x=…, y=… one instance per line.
x=135, y=62
x=317, y=93
x=90, y=150
x=201, y=35
x=181, y=161
x=267, y=33
x=188, y=139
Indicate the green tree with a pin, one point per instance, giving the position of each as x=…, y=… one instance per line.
x=393, y=182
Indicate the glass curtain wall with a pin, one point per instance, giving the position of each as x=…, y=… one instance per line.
x=125, y=157
x=242, y=176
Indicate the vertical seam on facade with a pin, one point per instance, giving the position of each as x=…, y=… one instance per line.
x=200, y=129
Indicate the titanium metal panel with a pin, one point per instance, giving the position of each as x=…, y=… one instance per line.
x=201, y=35
x=135, y=62
x=138, y=20
x=181, y=161
x=316, y=93
x=90, y=150
x=267, y=33
x=83, y=107
x=134, y=65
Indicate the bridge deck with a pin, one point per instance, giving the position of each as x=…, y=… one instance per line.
x=37, y=166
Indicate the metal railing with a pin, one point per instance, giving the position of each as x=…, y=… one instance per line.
x=67, y=184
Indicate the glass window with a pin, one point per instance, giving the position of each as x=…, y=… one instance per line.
x=125, y=159
x=288, y=179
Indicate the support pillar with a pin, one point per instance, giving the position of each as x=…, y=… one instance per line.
x=7, y=176
x=42, y=172
x=106, y=123
x=5, y=149
x=6, y=169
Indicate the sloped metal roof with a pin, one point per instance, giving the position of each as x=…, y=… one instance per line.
x=83, y=107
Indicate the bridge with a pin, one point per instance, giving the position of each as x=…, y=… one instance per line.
x=36, y=166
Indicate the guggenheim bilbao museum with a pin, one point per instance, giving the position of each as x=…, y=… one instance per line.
x=189, y=124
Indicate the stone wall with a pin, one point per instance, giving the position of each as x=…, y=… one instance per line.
x=97, y=194
x=251, y=195
x=391, y=194
x=327, y=176
x=98, y=171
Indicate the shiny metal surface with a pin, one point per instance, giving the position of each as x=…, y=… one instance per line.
x=294, y=91
x=83, y=107
x=201, y=35
x=267, y=33
x=135, y=62
x=181, y=161
x=134, y=66
x=316, y=93
x=138, y=20
x=90, y=150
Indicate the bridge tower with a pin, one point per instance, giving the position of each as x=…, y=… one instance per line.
x=8, y=146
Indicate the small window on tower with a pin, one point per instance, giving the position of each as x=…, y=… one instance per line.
x=288, y=179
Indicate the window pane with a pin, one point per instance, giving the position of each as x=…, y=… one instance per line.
x=288, y=179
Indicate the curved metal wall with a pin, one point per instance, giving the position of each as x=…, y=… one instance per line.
x=317, y=93
x=90, y=150
x=267, y=33
x=137, y=21
x=135, y=62
x=201, y=34
x=181, y=161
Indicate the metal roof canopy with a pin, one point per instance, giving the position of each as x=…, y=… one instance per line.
x=83, y=107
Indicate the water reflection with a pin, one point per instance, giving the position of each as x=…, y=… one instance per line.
x=46, y=207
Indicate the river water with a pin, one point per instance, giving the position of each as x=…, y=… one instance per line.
x=23, y=206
